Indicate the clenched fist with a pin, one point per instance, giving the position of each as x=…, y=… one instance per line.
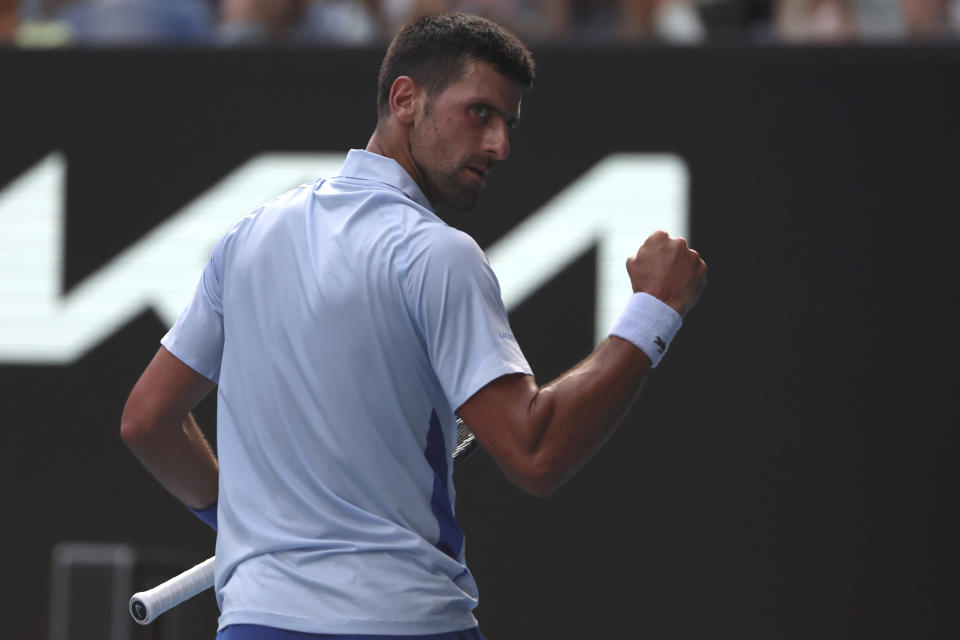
x=668, y=270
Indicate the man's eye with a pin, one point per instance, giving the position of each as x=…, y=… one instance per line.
x=481, y=111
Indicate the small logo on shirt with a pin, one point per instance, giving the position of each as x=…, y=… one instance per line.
x=507, y=334
x=661, y=345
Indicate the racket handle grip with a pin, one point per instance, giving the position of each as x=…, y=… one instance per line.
x=145, y=606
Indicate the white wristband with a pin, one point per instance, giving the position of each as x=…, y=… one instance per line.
x=648, y=323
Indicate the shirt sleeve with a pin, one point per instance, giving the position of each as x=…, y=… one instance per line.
x=462, y=318
x=196, y=338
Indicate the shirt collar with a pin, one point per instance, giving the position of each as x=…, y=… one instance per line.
x=371, y=166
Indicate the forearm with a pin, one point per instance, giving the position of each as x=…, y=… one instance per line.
x=540, y=436
x=159, y=429
x=570, y=418
x=178, y=455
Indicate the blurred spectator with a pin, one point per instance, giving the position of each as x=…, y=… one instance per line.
x=675, y=21
x=866, y=20
x=344, y=22
x=364, y=22
x=341, y=22
x=604, y=21
x=879, y=20
x=257, y=21
x=523, y=17
x=8, y=20
x=738, y=20
x=930, y=19
x=126, y=22
x=566, y=21
x=816, y=20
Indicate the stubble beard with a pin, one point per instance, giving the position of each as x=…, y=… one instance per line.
x=445, y=181
x=454, y=194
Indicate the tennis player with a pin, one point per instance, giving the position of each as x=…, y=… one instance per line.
x=343, y=324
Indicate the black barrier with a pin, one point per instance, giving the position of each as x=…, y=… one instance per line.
x=784, y=474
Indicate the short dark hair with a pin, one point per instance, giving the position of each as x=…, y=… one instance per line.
x=434, y=49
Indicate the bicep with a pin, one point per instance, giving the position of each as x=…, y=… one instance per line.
x=504, y=417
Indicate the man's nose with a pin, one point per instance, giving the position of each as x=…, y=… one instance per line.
x=497, y=141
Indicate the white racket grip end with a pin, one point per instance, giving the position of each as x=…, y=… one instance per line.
x=145, y=606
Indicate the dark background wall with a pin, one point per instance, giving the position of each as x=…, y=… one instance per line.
x=785, y=473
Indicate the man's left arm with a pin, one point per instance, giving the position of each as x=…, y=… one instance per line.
x=161, y=432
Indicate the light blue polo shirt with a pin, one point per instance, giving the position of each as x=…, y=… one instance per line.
x=344, y=323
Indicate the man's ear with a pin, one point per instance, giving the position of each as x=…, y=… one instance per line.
x=405, y=96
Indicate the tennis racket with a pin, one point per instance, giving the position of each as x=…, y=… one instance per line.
x=145, y=606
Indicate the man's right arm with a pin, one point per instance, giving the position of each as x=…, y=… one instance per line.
x=540, y=436
x=161, y=432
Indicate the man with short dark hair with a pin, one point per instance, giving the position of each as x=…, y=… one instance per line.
x=345, y=324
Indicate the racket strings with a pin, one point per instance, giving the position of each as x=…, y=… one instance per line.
x=466, y=442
